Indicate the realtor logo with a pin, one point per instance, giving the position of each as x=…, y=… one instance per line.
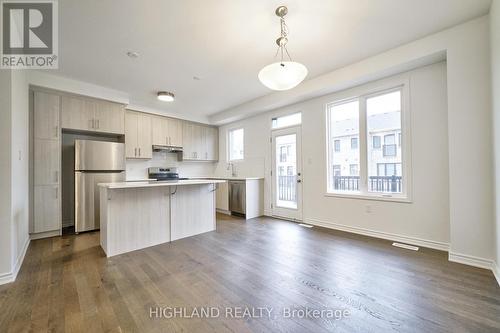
x=29, y=34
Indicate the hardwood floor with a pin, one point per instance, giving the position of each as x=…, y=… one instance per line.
x=67, y=284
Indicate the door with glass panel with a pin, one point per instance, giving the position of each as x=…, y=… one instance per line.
x=287, y=173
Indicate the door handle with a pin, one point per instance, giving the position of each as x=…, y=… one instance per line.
x=299, y=181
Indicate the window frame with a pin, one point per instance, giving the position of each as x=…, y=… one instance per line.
x=229, y=144
x=362, y=94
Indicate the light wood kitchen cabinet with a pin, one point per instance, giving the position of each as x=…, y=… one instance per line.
x=200, y=143
x=175, y=132
x=86, y=114
x=222, y=197
x=159, y=130
x=109, y=117
x=47, y=208
x=211, y=143
x=138, y=138
x=47, y=109
x=46, y=163
x=77, y=113
x=166, y=131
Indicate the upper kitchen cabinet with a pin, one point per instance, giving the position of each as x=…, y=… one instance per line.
x=159, y=130
x=46, y=115
x=138, y=136
x=175, y=132
x=199, y=142
x=211, y=143
x=86, y=114
x=77, y=113
x=110, y=117
x=166, y=131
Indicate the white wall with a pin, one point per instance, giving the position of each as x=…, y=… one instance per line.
x=20, y=166
x=14, y=172
x=5, y=175
x=426, y=218
x=138, y=169
x=495, y=64
x=466, y=47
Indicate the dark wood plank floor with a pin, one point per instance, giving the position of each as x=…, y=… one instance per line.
x=66, y=284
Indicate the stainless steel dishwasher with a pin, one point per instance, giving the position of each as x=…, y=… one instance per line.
x=237, y=197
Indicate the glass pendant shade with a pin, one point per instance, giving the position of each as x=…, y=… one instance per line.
x=282, y=75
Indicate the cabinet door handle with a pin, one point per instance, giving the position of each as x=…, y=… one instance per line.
x=91, y=123
x=98, y=125
x=57, y=193
x=57, y=131
x=135, y=152
x=170, y=140
x=139, y=152
x=166, y=140
x=57, y=176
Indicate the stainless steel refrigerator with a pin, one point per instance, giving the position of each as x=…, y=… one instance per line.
x=95, y=162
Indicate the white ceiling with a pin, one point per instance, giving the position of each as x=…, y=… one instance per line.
x=227, y=42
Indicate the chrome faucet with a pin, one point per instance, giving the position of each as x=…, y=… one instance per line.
x=231, y=166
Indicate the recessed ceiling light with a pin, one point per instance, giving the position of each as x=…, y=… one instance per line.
x=132, y=54
x=165, y=96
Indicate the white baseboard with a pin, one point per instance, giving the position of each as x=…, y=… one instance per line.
x=496, y=271
x=442, y=246
x=222, y=211
x=470, y=260
x=11, y=277
x=46, y=234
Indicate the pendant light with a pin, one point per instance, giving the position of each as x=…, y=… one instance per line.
x=282, y=75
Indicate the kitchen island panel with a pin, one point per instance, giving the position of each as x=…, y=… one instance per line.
x=193, y=210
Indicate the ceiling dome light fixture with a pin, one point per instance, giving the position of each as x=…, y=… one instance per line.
x=282, y=75
x=166, y=96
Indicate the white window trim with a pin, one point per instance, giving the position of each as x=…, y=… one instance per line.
x=362, y=94
x=228, y=150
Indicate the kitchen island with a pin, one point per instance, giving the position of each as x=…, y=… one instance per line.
x=136, y=215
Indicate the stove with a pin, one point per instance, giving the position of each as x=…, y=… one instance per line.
x=164, y=174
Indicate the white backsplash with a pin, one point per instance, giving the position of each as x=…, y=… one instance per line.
x=138, y=169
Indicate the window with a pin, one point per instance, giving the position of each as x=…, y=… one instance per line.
x=354, y=170
x=289, y=170
x=354, y=143
x=337, y=145
x=389, y=145
x=289, y=120
x=236, y=140
x=336, y=170
x=388, y=169
x=283, y=153
x=382, y=171
x=343, y=123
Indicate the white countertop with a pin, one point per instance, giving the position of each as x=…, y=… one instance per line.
x=229, y=178
x=136, y=184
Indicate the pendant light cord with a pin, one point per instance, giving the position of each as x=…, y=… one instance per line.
x=283, y=36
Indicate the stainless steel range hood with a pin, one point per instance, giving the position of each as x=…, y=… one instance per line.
x=168, y=149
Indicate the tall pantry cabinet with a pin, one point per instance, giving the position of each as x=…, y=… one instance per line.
x=46, y=167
